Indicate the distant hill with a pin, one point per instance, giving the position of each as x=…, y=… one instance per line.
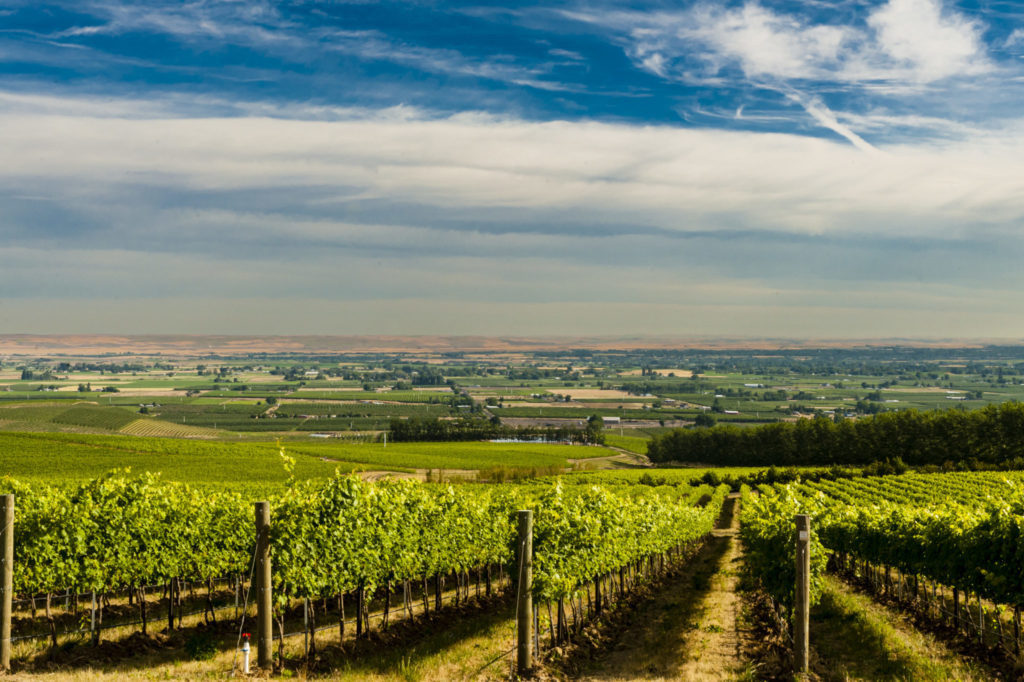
x=193, y=345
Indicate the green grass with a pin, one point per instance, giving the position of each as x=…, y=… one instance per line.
x=69, y=457
x=637, y=444
x=74, y=457
x=112, y=418
x=471, y=455
x=855, y=639
x=329, y=416
x=32, y=413
x=83, y=414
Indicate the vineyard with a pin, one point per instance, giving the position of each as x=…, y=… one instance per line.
x=154, y=428
x=949, y=544
x=123, y=536
x=352, y=563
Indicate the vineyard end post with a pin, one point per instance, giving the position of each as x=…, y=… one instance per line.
x=802, y=605
x=264, y=616
x=6, y=577
x=524, y=605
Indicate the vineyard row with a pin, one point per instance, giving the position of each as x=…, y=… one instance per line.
x=345, y=538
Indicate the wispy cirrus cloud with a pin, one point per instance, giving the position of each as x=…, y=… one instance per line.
x=897, y=49
x=1015, y=39
x=263, y=26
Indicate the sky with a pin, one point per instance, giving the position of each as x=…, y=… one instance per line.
x=811, y=169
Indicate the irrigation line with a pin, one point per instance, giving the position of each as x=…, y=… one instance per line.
x=248, y=590
x=43, y=635
x=373, y=616
x=78, y=595
x=245, y=609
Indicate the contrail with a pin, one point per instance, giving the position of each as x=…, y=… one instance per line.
x=823, y=115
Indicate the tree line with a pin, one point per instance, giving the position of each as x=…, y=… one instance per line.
x=438, y=430
x=993, y=435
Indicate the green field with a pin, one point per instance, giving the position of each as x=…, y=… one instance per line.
x=451, y=455
x=67, y=415
x=637, y=444
x=69, y=457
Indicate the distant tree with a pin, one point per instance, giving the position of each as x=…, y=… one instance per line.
x=595, y=429
x=705, y=419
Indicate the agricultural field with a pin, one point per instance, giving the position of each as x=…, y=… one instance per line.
x=75, y=457
x=632, y=443
x=640, y=389
x=642, y=561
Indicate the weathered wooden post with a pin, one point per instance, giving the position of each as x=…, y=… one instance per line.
x=6, y=578
x=264, y=616
x=956, y=609
x=524, y=607
x=802, y=604
x=92, y=620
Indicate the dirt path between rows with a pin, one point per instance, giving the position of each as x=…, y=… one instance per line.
x=692, y=630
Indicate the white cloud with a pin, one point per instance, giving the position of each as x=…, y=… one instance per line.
x=908, y=42
x=902, y=47
x=766, y=43
x=930, y=43
x=1014, y=39
x=662, y=177
x=508, y=224
x=823, y=115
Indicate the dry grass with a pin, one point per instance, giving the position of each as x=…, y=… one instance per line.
x=466, y=643
x=855, y=638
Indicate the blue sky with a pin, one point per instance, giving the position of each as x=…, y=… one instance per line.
x=786, y=169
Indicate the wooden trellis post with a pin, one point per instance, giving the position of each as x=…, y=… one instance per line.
x=264, y=603
x=802, y=605
x=524, y=607
x=6, y=578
